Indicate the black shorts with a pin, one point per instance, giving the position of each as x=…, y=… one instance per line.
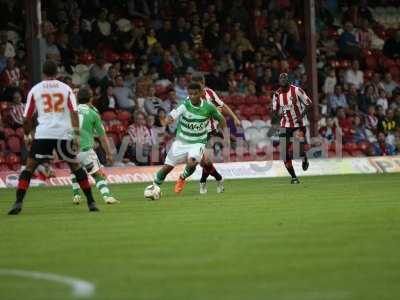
x=43, y=149
x=288, y=132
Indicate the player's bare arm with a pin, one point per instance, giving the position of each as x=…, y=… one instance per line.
x=75, y=125
x=106, y=146
x=228, y=111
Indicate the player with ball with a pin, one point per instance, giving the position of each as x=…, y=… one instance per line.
x=193, y=117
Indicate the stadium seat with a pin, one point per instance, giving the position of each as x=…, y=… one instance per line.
x=108, y=116
x=127, y=57
x=246, y=124
x=251, y=100
x=124, y=116
x=255, y=117
x=8, y=132
x=394, y=70
x=264, y=99
x=371, y=62
x=14, y=144
x=4, y=105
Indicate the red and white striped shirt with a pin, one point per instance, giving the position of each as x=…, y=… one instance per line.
x=291, y=105
x=17, y=113
x=140, y=135
x=212, y=97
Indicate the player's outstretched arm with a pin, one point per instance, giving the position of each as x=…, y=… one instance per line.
x=228, y=111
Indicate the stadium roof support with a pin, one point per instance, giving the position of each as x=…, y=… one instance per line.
x=34, y=39
x=311, y=62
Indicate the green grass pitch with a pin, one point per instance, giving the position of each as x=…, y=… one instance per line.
x=330, y=238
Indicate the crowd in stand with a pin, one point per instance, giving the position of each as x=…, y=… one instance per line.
x=139, y=56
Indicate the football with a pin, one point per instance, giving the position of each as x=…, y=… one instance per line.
x=152, y=192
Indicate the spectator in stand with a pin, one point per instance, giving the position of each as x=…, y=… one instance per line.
x=107, y=101
x=345, y=123
x=337, y=99
x=367, y=99
x=381, y=147
x=371, y=121
x=17, y=110
x=152, y=103
x=391, y=48
x=224, y=45
x=389, y=84
x=354, y=75
x=124, y=95
x=360, y=132
x=387, y=123
x=140, y=140
x=101, y=27
x=11, y=79
x=171, y=102
x=353, y=98
x=382, y=100
x=98, y=71
x=328, y=132
x=363, y=35
x=67, y=56
x=3, y=58
x=348, y=45
x=9, y=51
x=166, y=36
x=181, y=88
x=51, y=50
x=330, y=82
x=110, y=78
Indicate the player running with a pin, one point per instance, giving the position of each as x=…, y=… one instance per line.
x=291, y=103
x=57, y=129
x=91, y=125
x=193, y=116
x=206, y=163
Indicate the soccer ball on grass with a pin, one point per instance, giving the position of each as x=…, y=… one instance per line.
x=152, y=192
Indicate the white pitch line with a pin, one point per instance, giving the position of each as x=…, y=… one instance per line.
x=80, y=288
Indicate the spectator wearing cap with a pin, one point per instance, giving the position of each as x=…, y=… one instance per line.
x=123, y=95
x=354, y=75
x=391, y=48
x=337, y=99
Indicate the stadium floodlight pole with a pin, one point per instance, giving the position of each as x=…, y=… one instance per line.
x=311, y=62
x=34, y=40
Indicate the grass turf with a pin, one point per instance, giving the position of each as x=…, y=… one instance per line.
x=332, y=237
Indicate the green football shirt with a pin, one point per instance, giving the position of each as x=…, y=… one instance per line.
x=91, y=126
x=193, y=121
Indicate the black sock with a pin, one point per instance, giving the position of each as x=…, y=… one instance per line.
x=214, y=173
x=290, y=169
x=83, y=181
x=303, y=151
x=23, y=185
x=204, y=175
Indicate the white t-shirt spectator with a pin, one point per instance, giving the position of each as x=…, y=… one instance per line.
x=354, y=77
x=329, y=85
x=383, y=102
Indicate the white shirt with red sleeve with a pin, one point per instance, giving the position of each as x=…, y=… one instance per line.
x=291, y=105
x=212, y=97
x=53, y=101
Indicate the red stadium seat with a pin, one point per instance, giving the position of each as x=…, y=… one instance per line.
x=251, y=100
x=111, y=57
x=127, y=57
x=124, y=116
x=108, y=116
x=14, y=144
x=371, y=62
x=394, y=70
x=8, y=132
x=264, y=99
x=4, y=105
x=86, y=58
x=20, y=132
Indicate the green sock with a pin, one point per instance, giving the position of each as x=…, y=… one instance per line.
x=187, y=172
x=102, y=186
x=75, y=186
x=160, y=177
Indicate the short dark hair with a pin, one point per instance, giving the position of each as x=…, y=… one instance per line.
x=198, y=77
x=84, y=95
x=50, y=68
x=194, y=86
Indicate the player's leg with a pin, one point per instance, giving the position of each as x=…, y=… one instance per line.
x=209, y=169
x=176, y=155
x=66, y=153
x=23, y=185
x=285, y=136
x=194, y=155
x=40, y=150
x=76, y=195
x=303, y=142
x=91, y=163
x=160, y=176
